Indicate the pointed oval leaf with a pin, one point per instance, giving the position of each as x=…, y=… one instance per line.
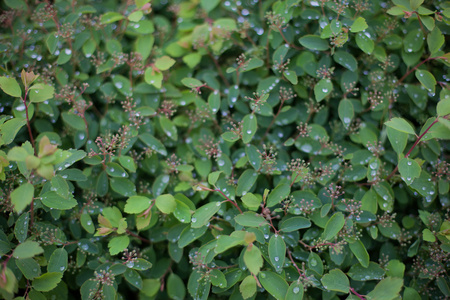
x=58, y=261
x=274, y=284
x=409, y=170
x=333, y=226
x=249, y=127
x=337, y=281
x=203, y=214
x=277, y=252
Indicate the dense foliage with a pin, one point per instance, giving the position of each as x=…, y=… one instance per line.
x=213, y=149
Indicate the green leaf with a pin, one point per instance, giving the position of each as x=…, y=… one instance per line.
x=322, y=89
x=27, y=249
x=164, y=63
x=398, y=139
x=435, y=40
x=274, y=284
x=291, y=75
x=188, y=235
x=74, y=121
x=102, y=185
x=137, y=204
x=415, y=4
x=295, y=291
x=168, y=127
x=359, y=25
x=111, y=17
x=213, y=177
x=387, y=289
x=153, y=143
x=29, y=267
x=122, y=186
x=22, y=196
x=58, y=261
x=364, y=42
x=277, y=252
x=314, y=42
x=346, y=60
x=150, y=287
x=333, y=226
x=337, y=281
x=47, y=282
x=428, y=235
x=315, y=263
x=278, y=194
x=427, y=80
x=123, y=85
x=250, y=219
x=360, y=252
x=409, y=170
x=191, y=82
x=294, y=224
x=400, y=124
x=41, y=92
x=10, y=86
x=153, y=77
x=346, y=112
x=175, y=287
x=86, y=223
x=372, y=271
x=53, y=200
x=133, y=278
x=246, y=181
x=118, y=244
x=249, y=127
x=203, y=214
x=21, y=227
x=214, y=101
x=253, y=259
x=166, y=203
x=254, y=157
x=395, y=268
x=443, y=107
x=248, y=287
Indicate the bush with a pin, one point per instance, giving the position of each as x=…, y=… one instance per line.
x=224, y=150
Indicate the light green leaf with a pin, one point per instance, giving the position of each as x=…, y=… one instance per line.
x=251, y=201
x=415, y=4
x=175, y=287
x=153, y=77
x=10, y=128
x=409, y=170
x=400, y=124
x=10, y=86
x=166, y=203
x=248, y=287
x=41, y=92
x=359, y=25
x=111, y=17
x=137, y=204
x=337, y=281
x=333, y=226
x=387, y=289
x=164, y=63
x=118, y=244
x=365, y=43
x=29, y=267
x=428, y=235
x=22, y=196
x=153, y=143
x=191, y=82
x=253, y=259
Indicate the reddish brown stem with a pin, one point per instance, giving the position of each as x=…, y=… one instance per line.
x=357, y=294
x=229, y=200
x=138, y=236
